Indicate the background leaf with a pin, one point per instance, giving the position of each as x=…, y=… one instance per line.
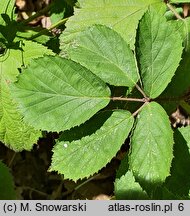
x=14, y=132
x=7, y=191
x=151, y=146
x=123, y=167
x=126, y=188
x=162, y=193
x=179, y=181
x=82, y=158
x=121, y=15
x=179, y=85
x=179, y=1
x=61, y=96
x=175, y=89
x=106, y=54
x=159, y=50
x=183, y=28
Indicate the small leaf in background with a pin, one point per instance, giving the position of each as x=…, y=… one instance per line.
x=179, y=1
x=82, y=158
x=151, y=146
x=123, y=167
x=63, y=94
x=121, y=15
x=159, y=50
x=14, y=133
x=8, y=25
x=126, y=188
x=18, y=55
x=106, y=54
x=6, y=7
x=7, y=191
x=179, y=181
x=22, y=33
x=57, y=10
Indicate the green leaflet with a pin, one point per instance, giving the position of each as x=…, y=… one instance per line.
x=87, y=128
x=7, y=191
x=62, y=94
x=106, y=54
x=126, y=188
x=159, y=48
x=121, y=15
x=13, y=131
x=179, y=181
x=151, y=146
x=82, y=158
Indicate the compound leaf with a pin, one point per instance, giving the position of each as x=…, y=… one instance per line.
x=13, y=131
x=82, y=158
x=105, y=53
x=7, y=191
x=151, y=146
x=159, y=51
x=121, y=15
x=60, y=96
x=126, y=188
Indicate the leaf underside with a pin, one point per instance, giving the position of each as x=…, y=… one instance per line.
x=151, y=146
x=82, y=158
x=106, y=54
x=159, y=50
x=63, y=94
